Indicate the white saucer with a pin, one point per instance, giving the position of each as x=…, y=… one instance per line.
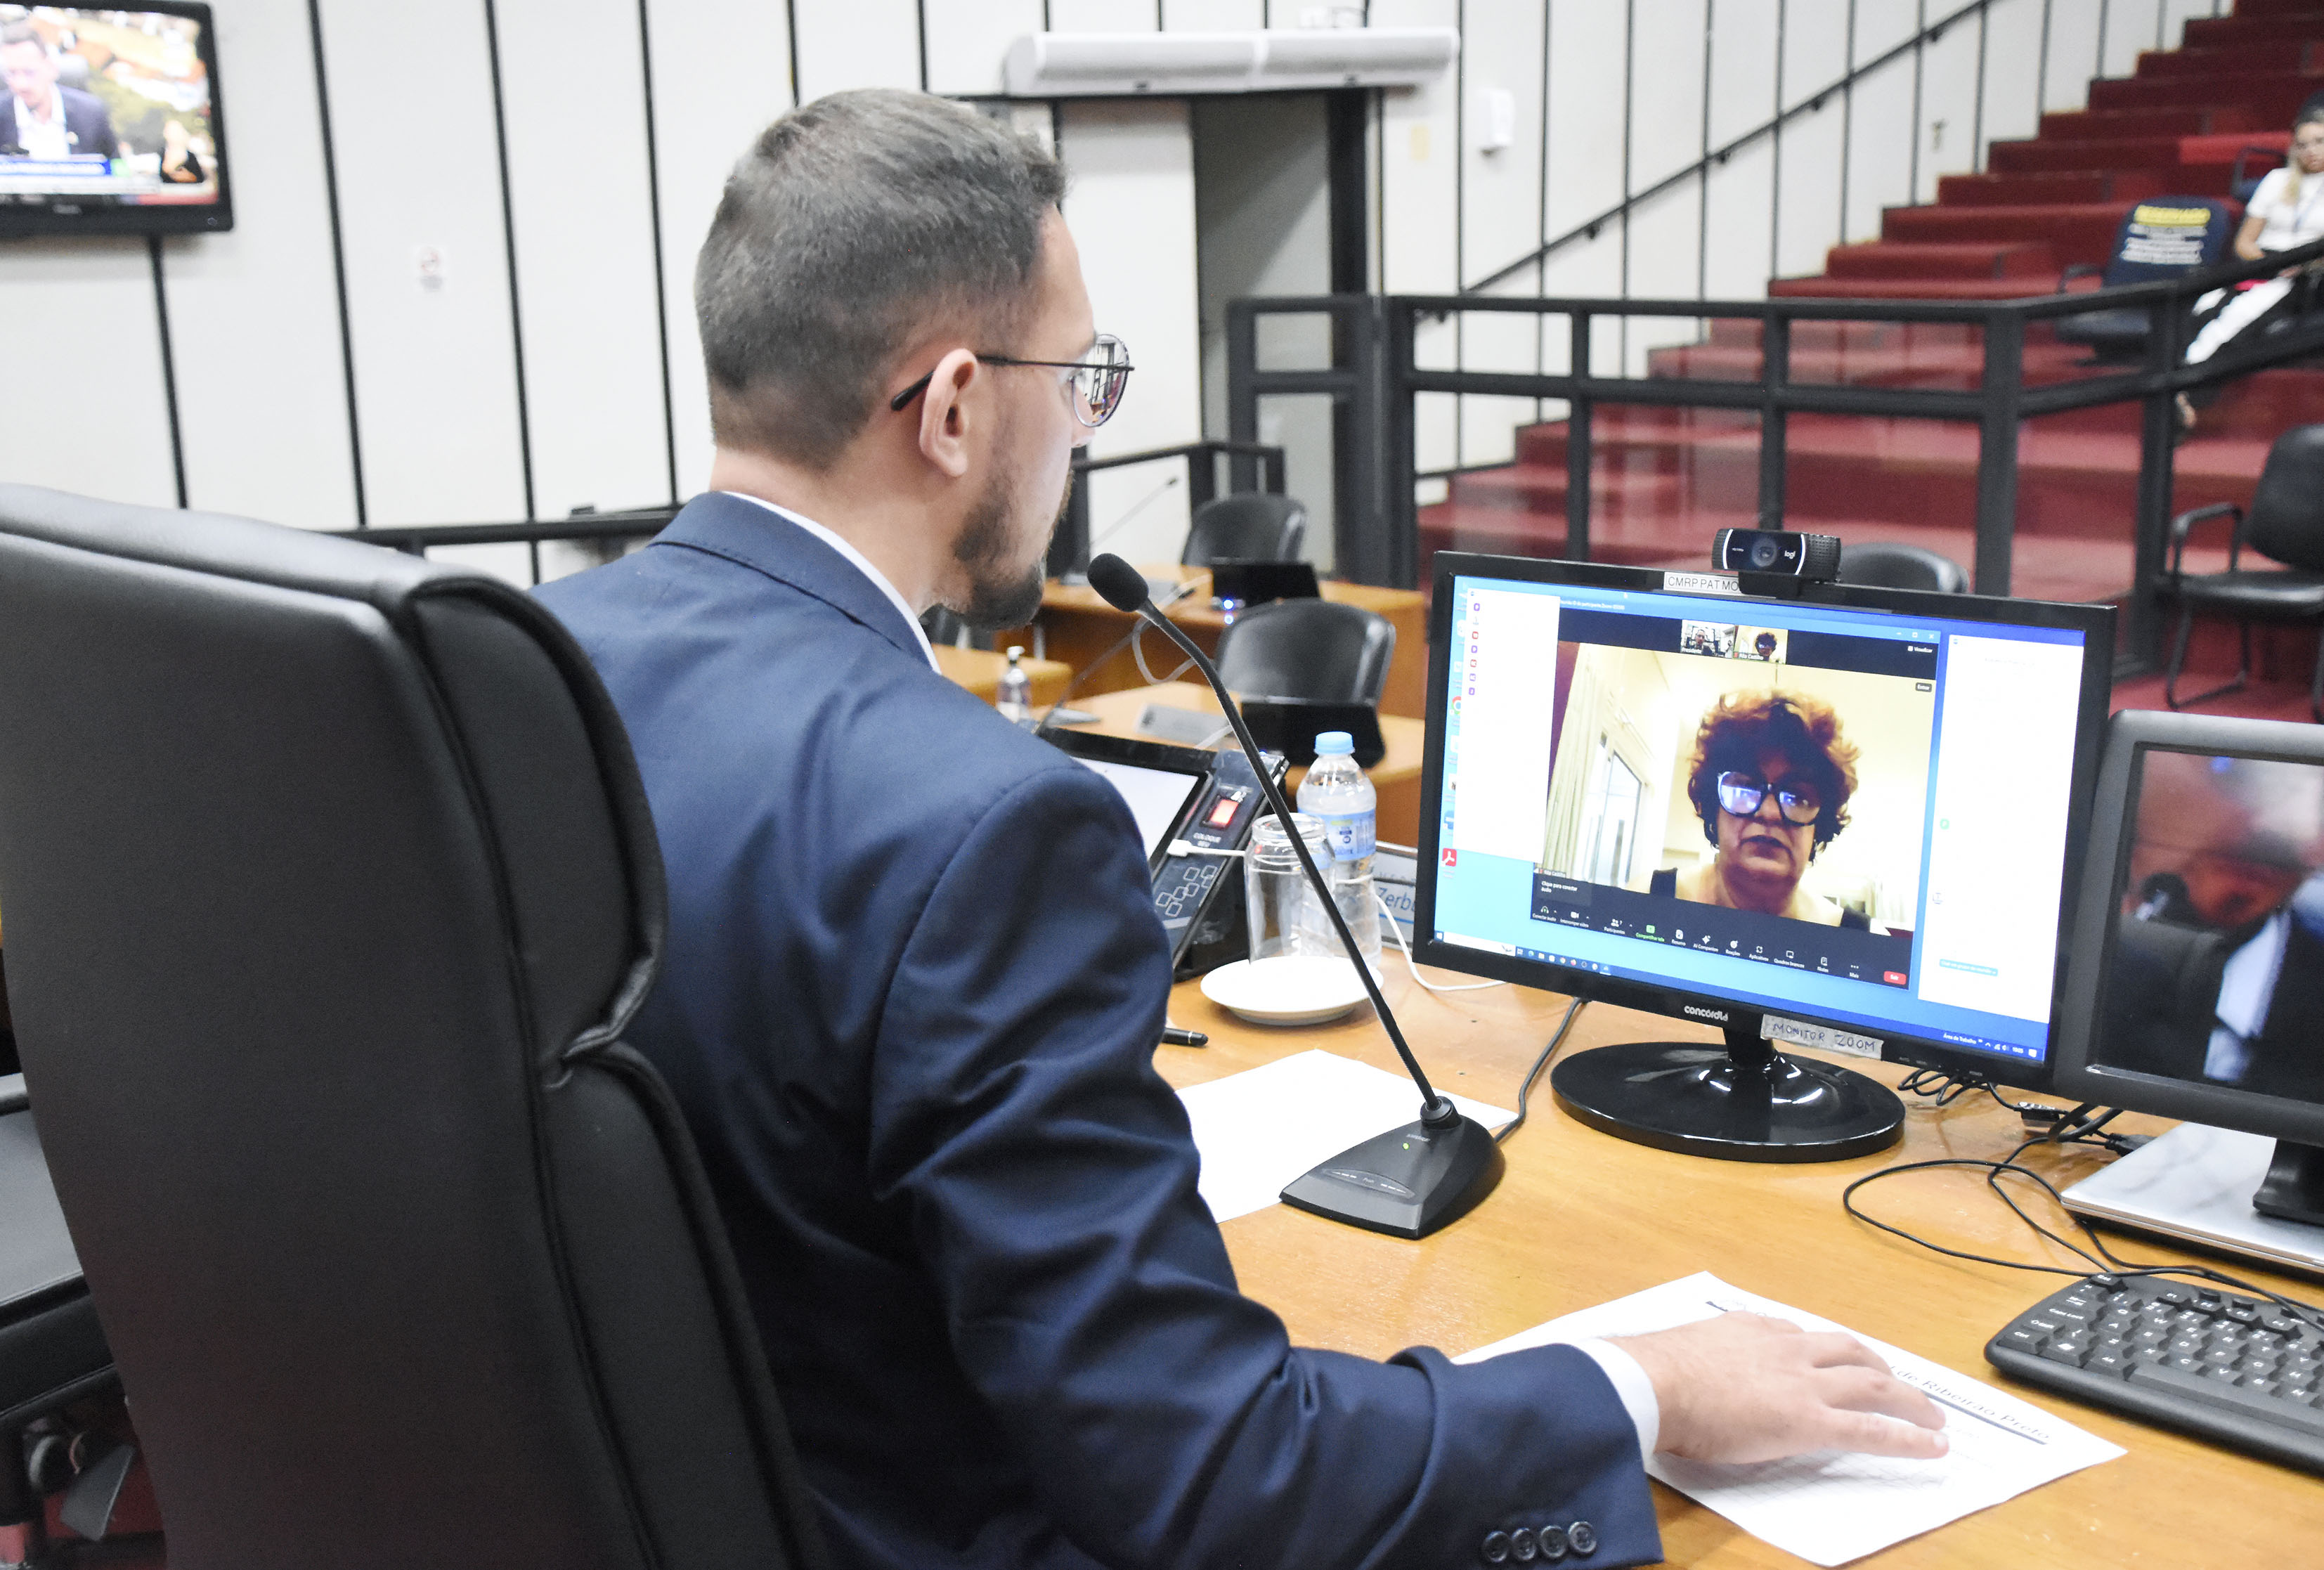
x=1290, y=989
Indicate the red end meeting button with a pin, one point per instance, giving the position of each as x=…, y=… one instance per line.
x=1895, y=978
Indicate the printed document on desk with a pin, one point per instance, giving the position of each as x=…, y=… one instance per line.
x=1832, y=1507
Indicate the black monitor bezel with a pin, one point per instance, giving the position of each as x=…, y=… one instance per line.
x=2134, y=734
x=2094, y=622
x=20, y=220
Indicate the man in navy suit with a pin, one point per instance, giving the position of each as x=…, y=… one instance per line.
x=913, y=982
x=39, y=117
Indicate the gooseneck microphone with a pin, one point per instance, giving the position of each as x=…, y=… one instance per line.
x=1410, y=1180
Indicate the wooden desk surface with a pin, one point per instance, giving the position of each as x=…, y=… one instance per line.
x=1078, y=626
x=979, y=670
x=1396, y=777
x=1583, y=1217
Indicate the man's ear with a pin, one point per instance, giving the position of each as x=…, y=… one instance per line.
x=944, y=413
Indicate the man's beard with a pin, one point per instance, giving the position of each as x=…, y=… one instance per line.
x=1001, y=595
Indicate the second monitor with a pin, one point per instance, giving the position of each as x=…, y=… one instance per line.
x=1851, y=820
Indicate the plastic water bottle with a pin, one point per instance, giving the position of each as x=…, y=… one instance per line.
x=1015, y=700
x=1337, y=793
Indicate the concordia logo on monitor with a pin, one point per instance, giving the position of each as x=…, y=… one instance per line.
x=1720, y=1015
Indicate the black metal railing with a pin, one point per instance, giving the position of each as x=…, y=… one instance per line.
x=1375, y=376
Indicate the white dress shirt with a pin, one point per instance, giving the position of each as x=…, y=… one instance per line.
x=863, y=564
x=44, y=136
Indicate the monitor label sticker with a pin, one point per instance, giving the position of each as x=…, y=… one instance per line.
x=1701, y=583
x=1800, y=1033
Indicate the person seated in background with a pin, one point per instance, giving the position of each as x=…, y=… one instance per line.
x=913, y=980
x=1771, y=779
x=2285, y=212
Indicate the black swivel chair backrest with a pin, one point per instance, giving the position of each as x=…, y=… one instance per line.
x=2286, y=520
x=2159, y=238
x=1892, y=564
x=1321, y=649
x=1248, y=526
x=330, y=886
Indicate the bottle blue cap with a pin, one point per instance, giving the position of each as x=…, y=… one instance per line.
x=1334, y=742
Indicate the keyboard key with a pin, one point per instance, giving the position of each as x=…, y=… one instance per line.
x=2062, y=1350
x=2228, y=1398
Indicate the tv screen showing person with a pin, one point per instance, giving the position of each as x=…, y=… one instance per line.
x=105, y=108
x=2218, y=975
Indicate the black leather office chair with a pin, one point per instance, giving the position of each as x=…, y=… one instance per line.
x=2145, y=251
x=1888, y=564
x=330, y=887
x=2286, y=524
x=1248, y=526
x=1320, y=649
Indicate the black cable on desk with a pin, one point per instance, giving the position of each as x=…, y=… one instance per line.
x=2083, y=1124
x=1525, y=1085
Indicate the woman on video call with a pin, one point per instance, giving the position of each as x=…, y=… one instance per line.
x=1770, y=779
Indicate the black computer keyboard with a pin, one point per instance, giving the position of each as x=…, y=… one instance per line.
x=2237, y=1369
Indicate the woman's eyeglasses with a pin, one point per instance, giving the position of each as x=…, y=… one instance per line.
x=1741, y=794
x=1099, y=381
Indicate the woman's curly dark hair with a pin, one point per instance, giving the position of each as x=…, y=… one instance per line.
x=1743, y=728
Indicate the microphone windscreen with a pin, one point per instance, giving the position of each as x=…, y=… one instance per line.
x=1122, y=586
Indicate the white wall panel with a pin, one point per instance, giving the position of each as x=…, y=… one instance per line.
x=1665, y=263
x=1807, y=222
x=1213, y=15
x=1666, y=58
x=1588, y=108
x=2127, y=27
x=718, y=81
x=2177, y=13
x=585, y=253
x=969, y=38
x=1740, y=222
x=1881, y=25
x=255, y=313
x=1948, y=108
x=1420, y=157
x=1501, y=190
x=857, y=43
x=1743, y=61
x=1131, y=210
x=2073, y=57
x=412, y=113
x=1103, y=16
x=81, y=407
x=1815, y=47
x=2013, y=65
x=1880, y=149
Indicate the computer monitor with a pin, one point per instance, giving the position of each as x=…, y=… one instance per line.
x=1851, y=820
x=2197, y=983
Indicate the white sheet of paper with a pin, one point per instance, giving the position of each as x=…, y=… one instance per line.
x=1258, y=1130
x=1832, y=1507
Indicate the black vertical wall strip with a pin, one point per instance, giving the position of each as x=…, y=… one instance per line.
x=2042, y=70
x=1460, y=228
x=661, y=281
x=1541, y=196
x=1977, y=120
x=1629, y=125
x=791, y=31
x=1702, y=181
x=169, y=366
x=924, y=38
x=1775, y=168
x=508, y=241
x=338, y=261
x=2099, y=68
x=1920, y=64
x=1847, y=120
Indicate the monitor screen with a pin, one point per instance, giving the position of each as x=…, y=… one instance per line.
x=2216, y=976
x=109, y=121
x=1852, y=811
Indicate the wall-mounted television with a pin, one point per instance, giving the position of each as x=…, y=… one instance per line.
x=109, y=121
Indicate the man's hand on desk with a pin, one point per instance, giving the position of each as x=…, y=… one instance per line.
x=1744, y=1387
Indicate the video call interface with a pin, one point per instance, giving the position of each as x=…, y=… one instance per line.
x=103, y=107
x=2216, y=976
x=1842, y=813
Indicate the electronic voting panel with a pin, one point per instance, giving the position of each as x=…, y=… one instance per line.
x=1198, y=803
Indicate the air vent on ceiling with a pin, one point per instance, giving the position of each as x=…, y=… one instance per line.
x=1074, y=65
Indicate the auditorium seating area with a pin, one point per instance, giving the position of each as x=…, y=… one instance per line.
x=1664, y=479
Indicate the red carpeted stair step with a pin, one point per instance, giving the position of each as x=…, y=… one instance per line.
x=2221, y=32
x=2046, y=157
x=2232, y=59
x=2272, y=96
x=2053, y=189
x=2113, y=125
x=1972, y=259
x=2076, y=232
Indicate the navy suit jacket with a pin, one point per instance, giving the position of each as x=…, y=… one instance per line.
x=913, y=987
x=87, y=121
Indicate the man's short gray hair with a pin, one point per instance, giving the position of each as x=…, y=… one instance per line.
x=851, y=224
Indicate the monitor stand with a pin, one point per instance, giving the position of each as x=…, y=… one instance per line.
x=1744, y=1102
x=2203, y=1185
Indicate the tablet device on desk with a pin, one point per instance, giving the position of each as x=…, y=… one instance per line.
x=1256, y=583
x=1289, y=726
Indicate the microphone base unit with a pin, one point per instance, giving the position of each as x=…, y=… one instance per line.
x=1407, y=1182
